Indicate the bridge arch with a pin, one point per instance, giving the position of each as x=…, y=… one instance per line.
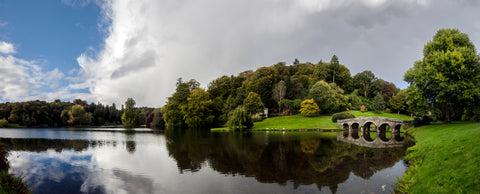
x=368, y=130
x=385, y=132
x=346, y=130
x=396, y=134
x=355, y=131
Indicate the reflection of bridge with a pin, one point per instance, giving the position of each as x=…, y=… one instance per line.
x=386, y=131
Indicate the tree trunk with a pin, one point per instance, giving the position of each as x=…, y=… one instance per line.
x=333, y=76
x=447, y=113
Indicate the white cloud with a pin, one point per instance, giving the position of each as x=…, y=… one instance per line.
x=22, y=80
x=6, y=48
x=15, y=77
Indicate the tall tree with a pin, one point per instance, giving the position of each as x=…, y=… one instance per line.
x=279, y=91
x=334, y=65
x=448, y=76
x=328, y=97
x=398, y=102
x=261, y=82
x=130, y=117
x=365, y=81
x=388, y=90
x=78, y=116
x=253, y=103
x=173, y=116
x=197, y=112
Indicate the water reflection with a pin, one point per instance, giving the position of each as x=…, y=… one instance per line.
x=305, y=159
x=197, y=162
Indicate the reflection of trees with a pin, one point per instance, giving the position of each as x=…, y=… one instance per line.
x=131, y=145
x=302, y=160
x=40, y=145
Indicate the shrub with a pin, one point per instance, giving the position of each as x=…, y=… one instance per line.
x=378, y=104
x=256, y=118
x=387, y=110
x=3, y=123
x=309, y=108
x=363, y=108
x=12, y=184
x=341, y=115
x=421, y=121
x=289, y=106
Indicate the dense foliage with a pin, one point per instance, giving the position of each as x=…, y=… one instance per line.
x=59, y=114
x=280, y=89
x=447, y=78
x=65, y=114
x=328, y=97
x=189, y=107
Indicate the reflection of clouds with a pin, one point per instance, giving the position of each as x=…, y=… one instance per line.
x=106, y=168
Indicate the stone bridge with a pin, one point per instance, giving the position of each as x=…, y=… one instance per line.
x=358, y=131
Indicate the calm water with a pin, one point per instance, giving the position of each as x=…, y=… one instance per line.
x=78, y=161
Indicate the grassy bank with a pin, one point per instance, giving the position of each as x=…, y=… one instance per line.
x=296, y=122
x=445, y=159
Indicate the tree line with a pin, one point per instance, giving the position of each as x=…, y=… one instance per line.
x=65, y=114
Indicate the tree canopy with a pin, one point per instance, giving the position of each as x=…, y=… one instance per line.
x=447, y=77
x=130, y=118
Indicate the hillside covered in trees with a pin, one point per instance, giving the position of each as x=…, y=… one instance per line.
x=280, y=88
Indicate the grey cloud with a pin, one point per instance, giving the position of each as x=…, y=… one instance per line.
x=152, y=43
x=133, y=63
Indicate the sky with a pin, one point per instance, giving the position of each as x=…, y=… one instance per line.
x=109, y=50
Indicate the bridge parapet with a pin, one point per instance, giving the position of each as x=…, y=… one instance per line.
x=358, y=131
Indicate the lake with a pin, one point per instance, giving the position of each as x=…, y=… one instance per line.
x=104, y=160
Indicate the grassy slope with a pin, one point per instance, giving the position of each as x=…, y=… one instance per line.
x=445, y=159
x=320, y=122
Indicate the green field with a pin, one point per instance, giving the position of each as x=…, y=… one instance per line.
x=297, y=122
x=445, y=159
x=382, y=114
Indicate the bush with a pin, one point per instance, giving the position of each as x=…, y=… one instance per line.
x=3, y=123
x=289, y=106
x=363, y=108
x=378, y=104
x=256, y=118
x=12, y=184
x=421, y=121
x=309, y=108
x=341, y=115
x=387, y=110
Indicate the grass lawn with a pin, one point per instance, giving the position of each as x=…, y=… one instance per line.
x=320, y=122
x=382, y=114
x=445, y=159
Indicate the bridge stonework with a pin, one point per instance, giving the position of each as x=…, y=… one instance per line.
x=352, y=127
